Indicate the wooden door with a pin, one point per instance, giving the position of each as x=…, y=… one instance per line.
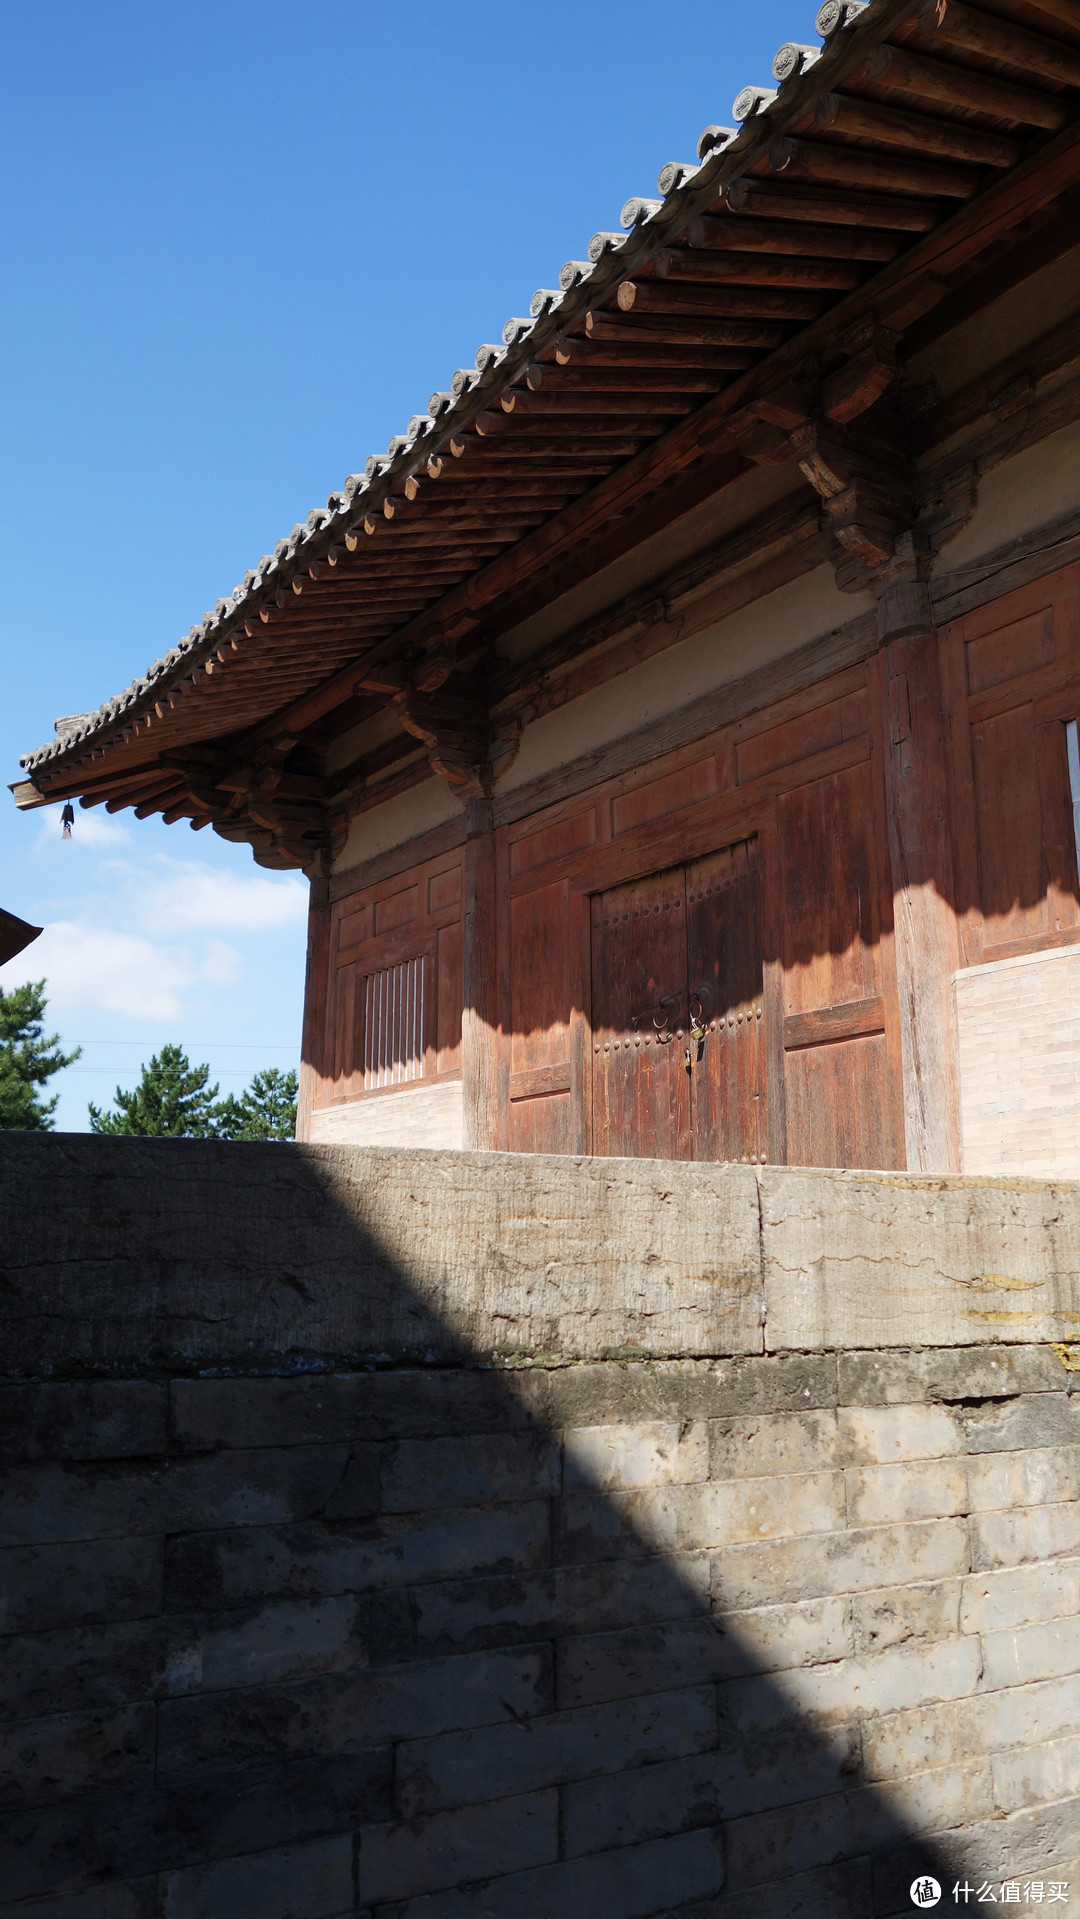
x=640, y=1087
x=723, y=940
x=680, y=947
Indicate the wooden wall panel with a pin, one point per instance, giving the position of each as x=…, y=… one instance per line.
x=540, y=1108
x=640, y=1087
x=448, y=998
x=1013, y=870
x=1009, y=652
x=542, y=1124
x=724, y=976
x=413, y=916
x=1013, y=848
x=555, y=841
x=1027, y=856
x=831, y=915
x=836, y=1112
x=658, y=798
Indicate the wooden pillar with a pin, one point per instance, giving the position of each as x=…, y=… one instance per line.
x=480, y=1011
x=924, y=906
x=316, y=1005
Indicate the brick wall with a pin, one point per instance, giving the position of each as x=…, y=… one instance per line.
x=1018, y=1046
x=468, y=1636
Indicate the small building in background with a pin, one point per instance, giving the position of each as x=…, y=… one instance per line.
x=678, y=722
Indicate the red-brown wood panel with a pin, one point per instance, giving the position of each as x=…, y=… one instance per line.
x=540, y=1119
x=723, y=941
x=640, y=1086
x=1013, y=869
x=831, y=911
x=839, y=1112
x=394, y=1008
x=843, y=1097
x=448, y=999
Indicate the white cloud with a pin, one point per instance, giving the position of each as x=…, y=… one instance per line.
x=90, y=829
x=95, y=967
x=174, y=896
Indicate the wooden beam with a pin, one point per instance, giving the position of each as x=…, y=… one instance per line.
x=617, y=329
x=572, y=351
x=951, y=24
x=743, y=235
x=597, y=429
x=582, y=402
x=943, y=83
x=700, y=267
x=653, y=296
x=767, y=200
x=854, y=167
x=892, y=127
x=629, y=381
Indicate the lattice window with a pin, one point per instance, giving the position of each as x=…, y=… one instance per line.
x=394, y=1025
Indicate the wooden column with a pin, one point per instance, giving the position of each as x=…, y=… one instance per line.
x=479, y=1019
x=927, y=947
x=316, y=1004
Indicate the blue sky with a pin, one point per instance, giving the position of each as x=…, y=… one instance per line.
x=243, y=243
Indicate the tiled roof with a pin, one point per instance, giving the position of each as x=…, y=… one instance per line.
x=264, y=645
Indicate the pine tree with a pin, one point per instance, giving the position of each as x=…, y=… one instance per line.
x=266, y=1110
x=27, y=1060
x=171, y=1101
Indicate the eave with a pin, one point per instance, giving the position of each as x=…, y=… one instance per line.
x=666, y=365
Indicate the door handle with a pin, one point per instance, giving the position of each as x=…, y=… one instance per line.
x=698, y=1029
x=660, y=1016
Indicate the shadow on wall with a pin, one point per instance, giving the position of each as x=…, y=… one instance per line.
x=359, y=1557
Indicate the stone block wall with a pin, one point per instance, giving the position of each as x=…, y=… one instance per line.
x=303, y=1621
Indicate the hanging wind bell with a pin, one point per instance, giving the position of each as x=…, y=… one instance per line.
x=67, y=820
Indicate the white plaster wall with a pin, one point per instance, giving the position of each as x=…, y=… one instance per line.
x=766, y=630
x=722, y=513
x=1017, y=497
x=430, y=804
x=425, y=1116
x=1018, y=1045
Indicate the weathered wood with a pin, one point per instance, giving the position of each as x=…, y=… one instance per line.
x=581, y=381
x=540, y=1080
x=728, y=1079
x=846, y=167
x=480, y=1011
x=946, y=84
x=926, y=945
x=765, y=200
x=744, y=235
x=692, y=266
x=848, y=1021
x=619, y=328
x=580, y=404
x=316, y=1004
x=641, y=1090
x=652, y=296
x=889, y=126
x=571, y=351
x=1029, y=54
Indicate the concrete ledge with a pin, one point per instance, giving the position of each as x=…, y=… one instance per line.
x=866, y=1260
x=187, y=1255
